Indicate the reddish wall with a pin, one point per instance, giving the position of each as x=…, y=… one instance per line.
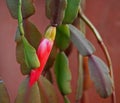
x=105, y=16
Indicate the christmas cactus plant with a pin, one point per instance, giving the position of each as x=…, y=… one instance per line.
x=39, y=54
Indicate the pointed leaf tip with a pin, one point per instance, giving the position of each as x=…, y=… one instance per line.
x=63, y=73
x=31, y=57
x=26, y=55
x=32, y=33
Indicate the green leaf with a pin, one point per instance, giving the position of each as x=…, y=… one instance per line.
x=27, y=8
x=21, y=58
x=99, y=73
x=4, y=97
x=27, y=94
x=30, y=55
x=47, y=91
x=62, y=73
x=71, y=11
x=83, y=45
x=62, y=37
x=55, y=10
x=26, y=56
x=33, y=36
x=79, y=90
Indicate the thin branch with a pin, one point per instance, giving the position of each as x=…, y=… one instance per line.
x=79, y=91
x=20, y=18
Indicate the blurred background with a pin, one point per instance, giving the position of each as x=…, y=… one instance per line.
x=104, y=14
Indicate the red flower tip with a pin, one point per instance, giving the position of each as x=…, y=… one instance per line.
x=43, y=53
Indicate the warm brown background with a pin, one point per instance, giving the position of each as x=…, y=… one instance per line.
x=105, y=16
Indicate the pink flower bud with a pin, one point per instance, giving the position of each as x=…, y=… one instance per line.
x=43, y=53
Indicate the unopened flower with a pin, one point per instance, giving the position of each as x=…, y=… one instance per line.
x=43, y=53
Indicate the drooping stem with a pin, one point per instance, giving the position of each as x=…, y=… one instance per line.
x=108, y=57
x=78, y=23
x=79, y=91
x=99, y=38
x=103, y=46
x=87, y=21
x=20, y=18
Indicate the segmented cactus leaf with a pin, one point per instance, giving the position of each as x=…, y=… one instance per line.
x=99, y=73
x=83, y=45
